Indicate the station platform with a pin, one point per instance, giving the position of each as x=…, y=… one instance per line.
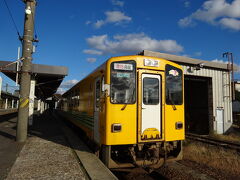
x=52, y=151
x=8, y=111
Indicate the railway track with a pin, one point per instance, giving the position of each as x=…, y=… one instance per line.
x=213, y=141
x=136, y=174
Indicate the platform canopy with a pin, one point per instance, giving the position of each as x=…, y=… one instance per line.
x=48, y=78
x=7, y=95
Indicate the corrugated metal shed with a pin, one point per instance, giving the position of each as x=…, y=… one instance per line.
x=221, y=85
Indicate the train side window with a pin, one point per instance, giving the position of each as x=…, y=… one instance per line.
x=103, y=89
x=97, y=92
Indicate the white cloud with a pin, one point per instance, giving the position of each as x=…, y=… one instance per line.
x=187, y=4
x=66, y=85
x=69, y=83
x=114, y=17
x=216, y=12
x=198, y=53
x=99, y=23
x=131, y=43
x=117, y=3
x=88, y=22
x=91, y=60
x=92, y=51
x=186, y=22
x=230, y=23
x=60, y=91
x=237, y=66
x=219, y=61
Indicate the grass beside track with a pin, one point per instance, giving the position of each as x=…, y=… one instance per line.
x=225, y=161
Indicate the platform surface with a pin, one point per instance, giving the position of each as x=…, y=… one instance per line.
x=47, y=153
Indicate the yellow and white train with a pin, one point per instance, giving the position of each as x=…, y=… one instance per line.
x=132, y=108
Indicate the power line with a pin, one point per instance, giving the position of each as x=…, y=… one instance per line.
x=9, y=11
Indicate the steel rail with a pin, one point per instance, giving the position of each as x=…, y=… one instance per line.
x=214, y=141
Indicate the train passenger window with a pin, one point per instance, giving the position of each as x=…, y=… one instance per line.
x=150, y=91
x=103, y=84
x=97, y=93
x=174, y=85
x=123, y=82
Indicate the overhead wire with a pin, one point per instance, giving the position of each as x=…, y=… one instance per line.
x=9, y=64
x=10, y=13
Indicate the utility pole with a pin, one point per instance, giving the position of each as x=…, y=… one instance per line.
x=23, y=109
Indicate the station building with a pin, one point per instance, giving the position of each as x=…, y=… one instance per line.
x=208, y=97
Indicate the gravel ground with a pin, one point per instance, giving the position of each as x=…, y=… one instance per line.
x=211, y=172
x=36, y=161
x=179, y=171
x=46, y=153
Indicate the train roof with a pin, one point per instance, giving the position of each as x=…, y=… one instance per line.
x=187, y=60
x=111, y=58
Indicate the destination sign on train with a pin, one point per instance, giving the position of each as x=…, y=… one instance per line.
x=151, y=62
x=121, y=66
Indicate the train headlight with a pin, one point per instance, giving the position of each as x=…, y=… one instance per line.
x=116, y=127
x=179, y=125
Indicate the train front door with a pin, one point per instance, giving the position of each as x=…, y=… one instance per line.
x=150, y=107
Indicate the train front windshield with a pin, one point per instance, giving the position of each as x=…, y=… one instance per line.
x=174, y=85
x=123, y=82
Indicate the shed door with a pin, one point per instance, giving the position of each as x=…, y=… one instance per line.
x=151, y=107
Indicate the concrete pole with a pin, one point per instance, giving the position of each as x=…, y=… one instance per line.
x=12, y=103
x=42, y=107
x=23, y=110
x=31, y=102
x=6, y=104
x=38, y=107
x=17, y=103
x=56, y=104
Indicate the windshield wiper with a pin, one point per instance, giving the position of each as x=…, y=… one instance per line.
x=129, y=99
x=170, y=98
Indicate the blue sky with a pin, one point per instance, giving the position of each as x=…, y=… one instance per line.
x=82, y=34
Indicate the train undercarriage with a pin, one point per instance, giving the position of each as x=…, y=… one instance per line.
x=147, y=155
